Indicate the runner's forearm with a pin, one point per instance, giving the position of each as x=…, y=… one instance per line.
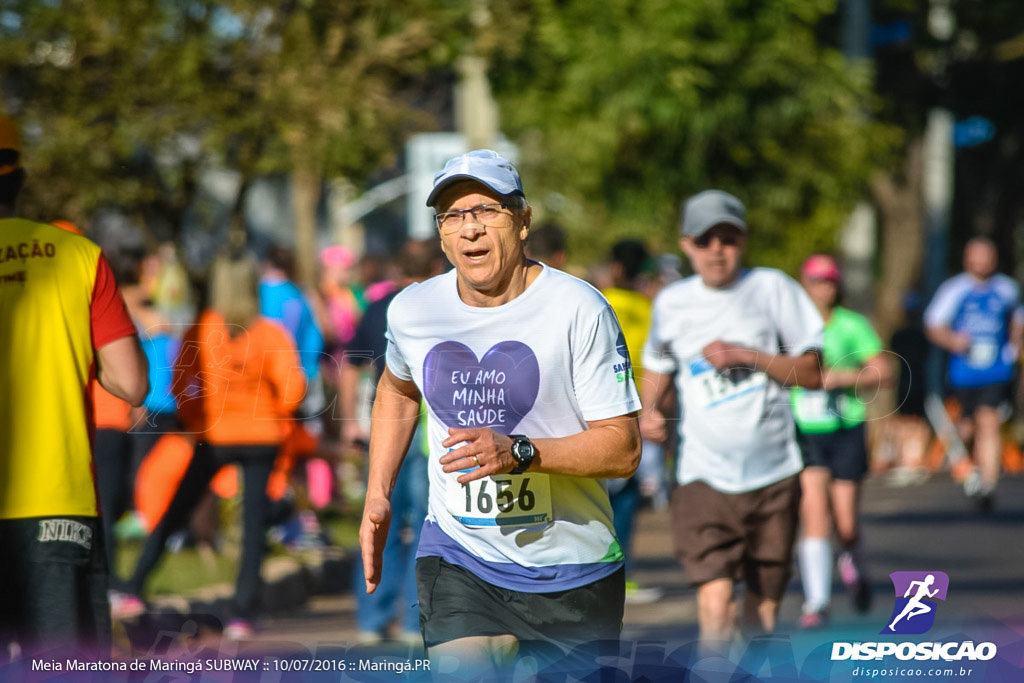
x=609, y=449
x=396, y=410
x=790, y=371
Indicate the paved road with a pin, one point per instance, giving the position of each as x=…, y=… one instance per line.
x=927, y=527
x=915, y=528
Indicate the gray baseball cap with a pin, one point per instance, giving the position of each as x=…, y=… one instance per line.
x=705, y=210
x=485, y=166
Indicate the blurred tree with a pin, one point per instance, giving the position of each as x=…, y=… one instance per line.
x=333, y=87
x=967, y=58
x=123, y=103
x=94, y=87
x=625, y=108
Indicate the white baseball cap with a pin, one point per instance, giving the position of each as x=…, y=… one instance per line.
x=485, y=166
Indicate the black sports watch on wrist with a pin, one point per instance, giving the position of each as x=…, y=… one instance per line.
x=523, y=451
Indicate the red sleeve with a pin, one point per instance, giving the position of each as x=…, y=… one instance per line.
x=110, y=319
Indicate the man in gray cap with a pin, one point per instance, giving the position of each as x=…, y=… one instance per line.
x=531, y=406
x=733, y=339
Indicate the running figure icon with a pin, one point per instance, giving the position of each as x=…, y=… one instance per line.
x=915, y=606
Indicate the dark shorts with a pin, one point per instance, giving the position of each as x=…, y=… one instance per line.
x=843, y=452
x=455, y=603
x=988, y=396
x=740, y=536
x=54, y=578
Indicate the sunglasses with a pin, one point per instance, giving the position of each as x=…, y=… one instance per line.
x=726, y=240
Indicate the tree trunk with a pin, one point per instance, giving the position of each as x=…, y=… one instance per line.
x=306, y=186
x=900, y=205
x=237, y=236
x=901, y=215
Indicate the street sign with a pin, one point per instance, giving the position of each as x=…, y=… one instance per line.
x=890, y=34
x=974, y=131
x=426, y=154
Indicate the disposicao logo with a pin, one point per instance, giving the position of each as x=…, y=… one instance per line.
x=916, y=592
x=912, y=614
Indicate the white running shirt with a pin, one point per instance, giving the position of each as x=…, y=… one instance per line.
x=736, y=431
x=543, y=365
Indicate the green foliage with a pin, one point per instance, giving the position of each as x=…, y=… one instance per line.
x=622, y=108
x=85, y=96
x=626, y=108
x=122, y=103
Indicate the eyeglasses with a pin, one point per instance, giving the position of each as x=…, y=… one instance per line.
x=726, y=240
x=484, y=214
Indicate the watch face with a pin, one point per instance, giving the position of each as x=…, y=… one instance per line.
x=522, y=450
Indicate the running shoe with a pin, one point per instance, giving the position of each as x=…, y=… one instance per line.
x=985, y=500
x=813, y=621
x=983, y=494
x=411, y=638
x=972, y=484
x=856, y=583
x=131, y=526
x=906, y=476
x=238, y=629
x=369, y=638
x=124, y=606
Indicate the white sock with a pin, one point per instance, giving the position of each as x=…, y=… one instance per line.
x=815, y=558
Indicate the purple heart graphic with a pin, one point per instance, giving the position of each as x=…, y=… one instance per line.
x=496, y=391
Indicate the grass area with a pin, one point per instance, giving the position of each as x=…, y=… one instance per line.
x=181, y=571
x=343, y=530
x=191, y=568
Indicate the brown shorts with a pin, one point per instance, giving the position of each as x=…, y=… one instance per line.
x=741, y=536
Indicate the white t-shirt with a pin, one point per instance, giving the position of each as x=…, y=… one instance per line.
x=543, y=365
x=736, y=431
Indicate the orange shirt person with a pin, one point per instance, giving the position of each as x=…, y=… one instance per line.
x=238, y=380
x=222, y=382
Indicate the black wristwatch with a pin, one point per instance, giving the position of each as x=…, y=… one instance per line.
x=523, y=451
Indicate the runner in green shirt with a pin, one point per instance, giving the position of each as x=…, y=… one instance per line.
x=830, y=430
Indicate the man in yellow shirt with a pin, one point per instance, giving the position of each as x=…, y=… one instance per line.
x=62, y=322
x=629, y=258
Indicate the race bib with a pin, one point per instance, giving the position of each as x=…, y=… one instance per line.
x=983, y=353
x=813, y=406
x=713, y=388
x=501, y=500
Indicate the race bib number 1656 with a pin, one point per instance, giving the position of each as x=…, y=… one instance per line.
x=500, y=500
